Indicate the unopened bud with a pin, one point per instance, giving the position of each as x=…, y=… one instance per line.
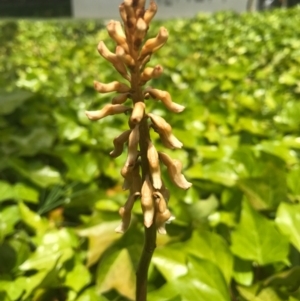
x=154, y=166
x=163, y=214
x=165, y=131
x=122, y=11
x=116, y=32
x=111, y=87
x=136, y=180
x=131, y=18
x=126, y=58
x=156, y=43
x=120, y=99
x=119, y=144
x=133, y=152
x=138, y=112
x=108, y=109
x=150, y=12
x=125, y=213
x=174, y=168
x=147, y=202
x=150, y=73
x=113, y=59
x=165, y=98
x=140, y=32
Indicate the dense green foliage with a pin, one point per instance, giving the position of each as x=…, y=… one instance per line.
x=236, y=235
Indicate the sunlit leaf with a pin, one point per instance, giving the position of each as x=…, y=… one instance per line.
x=256, y=238
x=288, y=222
x=100, y=238
x=116, y=272
x=210, y=246
x=203, y=281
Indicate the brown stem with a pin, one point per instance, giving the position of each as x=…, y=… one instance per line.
x=142, y=271
x=150, y=233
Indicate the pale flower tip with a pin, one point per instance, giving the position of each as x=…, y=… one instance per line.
x=157, y=184
x=162, y=230
x=172, y=217
x=92, y=115
x=148, y=221
x=179, y=108
x=120, y=229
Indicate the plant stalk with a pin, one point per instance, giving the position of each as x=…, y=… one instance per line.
x=150, y=233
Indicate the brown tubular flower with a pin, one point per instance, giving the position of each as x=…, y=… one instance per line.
x=142, y=170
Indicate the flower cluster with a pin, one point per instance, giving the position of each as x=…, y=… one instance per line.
x=141, y=171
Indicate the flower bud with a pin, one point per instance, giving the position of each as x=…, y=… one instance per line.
x=174, y=168
x=165, y=131
x=116, y=32
x=165, y=98
x=147, y=202
x=119, y=144
x=160, y=202
x=120, y=99
x=156, y=43
x=136, y=180
x=111, y=87
x=163, y=214
x=133, y=152
x=140, y=32
x=113, y=59
x=150, y=12
x=165, y=192
x=131, y=18
x=138, y=112
x=108, y=109
x=154, y=166
x=123, y=14
x=126, y=58
x=125, y=213
x=150, y=73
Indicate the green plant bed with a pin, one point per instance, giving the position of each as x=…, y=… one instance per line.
x=236, y=234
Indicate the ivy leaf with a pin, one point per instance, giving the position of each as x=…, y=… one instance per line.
x=256, y=238
x=116, y=272
x=203, y=281
x=211, y=246
x=288, y=222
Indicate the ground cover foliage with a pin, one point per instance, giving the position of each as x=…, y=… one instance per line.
x=236, y=233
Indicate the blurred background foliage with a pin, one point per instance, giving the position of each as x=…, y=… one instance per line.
x=236, y=235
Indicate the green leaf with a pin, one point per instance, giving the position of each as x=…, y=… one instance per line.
x=10, y=101
x=6, y=191
x=8, y=258
x=38, y=140
x=90, y=295
x=293, y=181
x=43, y=176
x=117, y=272
x=170, y=261
x=212, y=247
x=81, y=167
x=289, y=278
x=219, y=172
x=256, y=238
x=243, y=273
x=55, y=246
x=203, y=281
x=12, y=287
x=26, y=193
x=100, y=238
x=32, y=219
x=288, y=222
x=9, y=216
x=78, y=277
x=254, y=294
